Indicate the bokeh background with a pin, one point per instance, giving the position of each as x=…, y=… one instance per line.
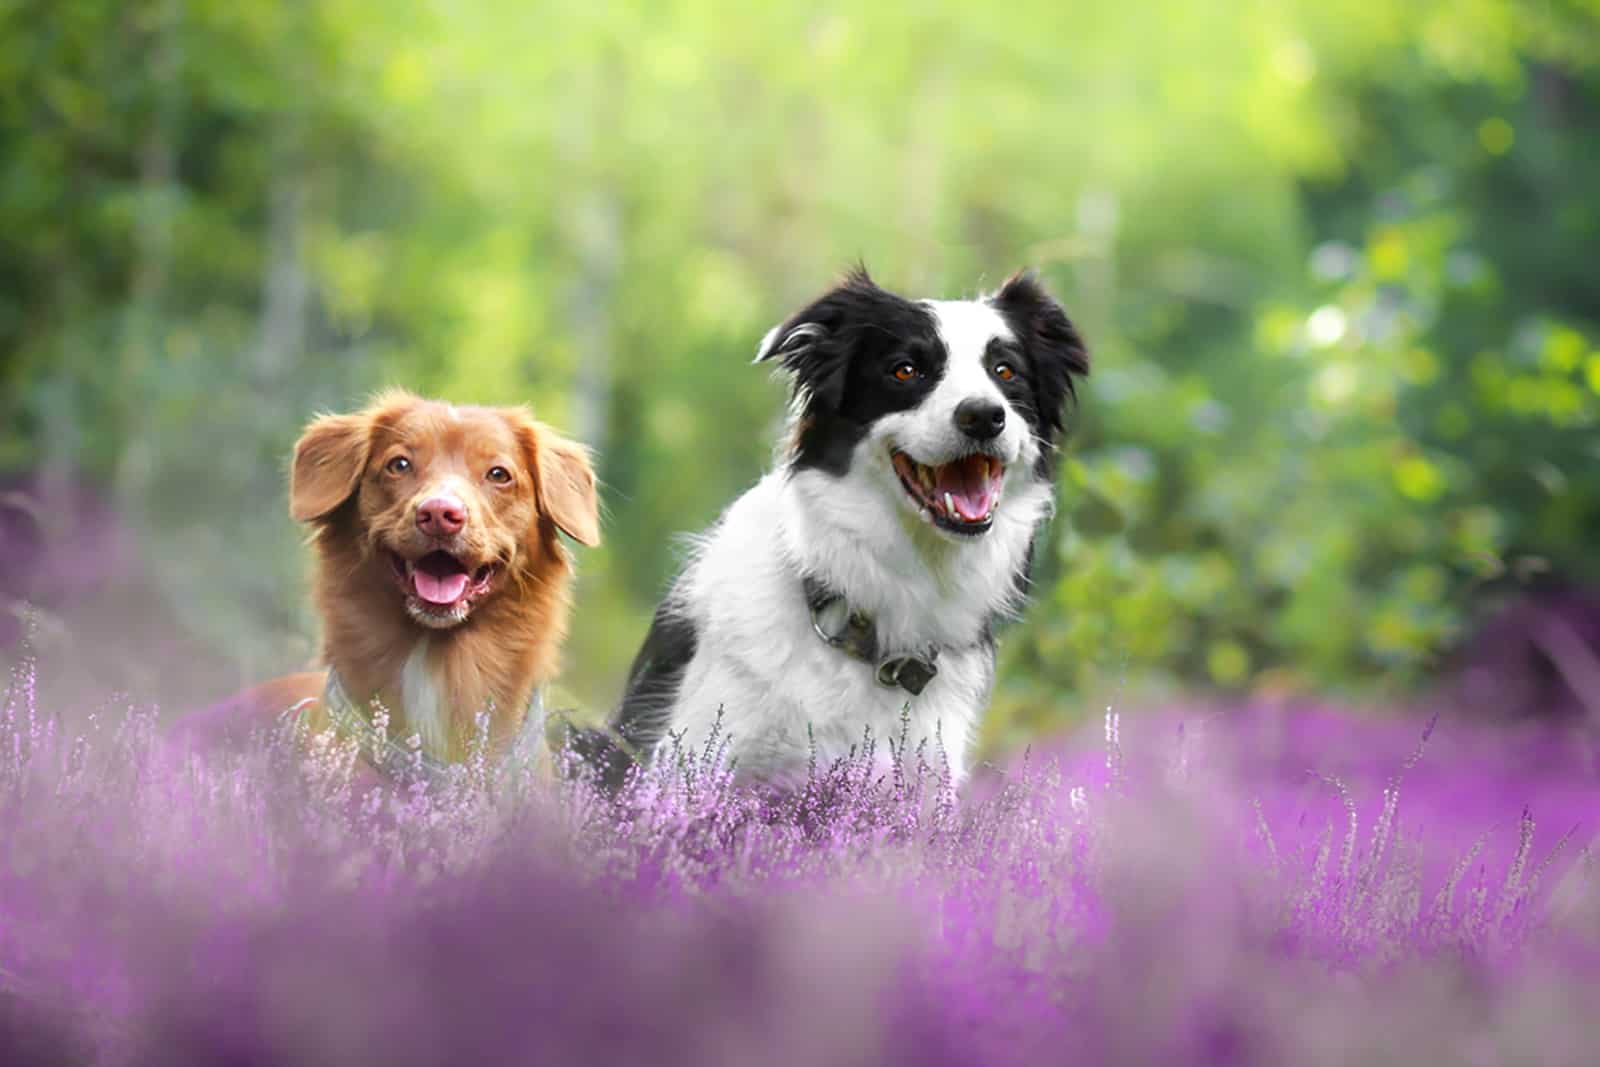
x=1335, y=260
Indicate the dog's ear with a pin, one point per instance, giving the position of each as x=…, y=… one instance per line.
x=1055, y=350
x=809, y=352
x=567, y=491
x=328, y=461
x=789, y=339
x=814, y=345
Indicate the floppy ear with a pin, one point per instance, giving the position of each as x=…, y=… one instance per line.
x=789, y=339
x=816, y=363
x=566, y=486
x=328, y=461
x=815, y=344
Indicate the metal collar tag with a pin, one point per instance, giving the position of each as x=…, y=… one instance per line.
x=911, y=673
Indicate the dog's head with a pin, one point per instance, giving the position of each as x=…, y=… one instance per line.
x=453, y=502
x=953, y=401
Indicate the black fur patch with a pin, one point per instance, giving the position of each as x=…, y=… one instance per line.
x=1054, y=354
x=606, y=759
x=1020, y=392
x=842, y=352
x=655, y=676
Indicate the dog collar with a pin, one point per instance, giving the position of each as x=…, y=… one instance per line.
x=397, y=760
x=854, y=633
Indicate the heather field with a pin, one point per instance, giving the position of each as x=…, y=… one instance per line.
x=1223, y=885
x=1293, y=757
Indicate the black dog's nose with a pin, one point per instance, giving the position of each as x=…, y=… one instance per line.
x=979, y=418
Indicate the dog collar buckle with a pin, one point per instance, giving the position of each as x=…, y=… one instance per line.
x=842, y=628
x=855, y=634
x=911, y=673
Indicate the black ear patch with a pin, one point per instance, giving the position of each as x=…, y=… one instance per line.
x=837, y=351
x=809, y=352
x=1054, y=349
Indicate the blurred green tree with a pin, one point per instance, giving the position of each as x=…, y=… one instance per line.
x=1331, y=257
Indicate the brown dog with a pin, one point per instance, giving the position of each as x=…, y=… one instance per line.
x=441, y=582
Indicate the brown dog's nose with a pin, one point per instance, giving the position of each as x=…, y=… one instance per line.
x=441, y=516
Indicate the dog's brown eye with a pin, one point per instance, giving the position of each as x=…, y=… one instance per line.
x=499, y=476
x=905, y=370
x=397, y=465
x=1004, y=372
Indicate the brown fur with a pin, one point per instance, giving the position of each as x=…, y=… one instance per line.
x=360, y=510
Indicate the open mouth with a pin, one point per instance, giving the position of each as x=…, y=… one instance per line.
x=959, y=496
x=440, y=584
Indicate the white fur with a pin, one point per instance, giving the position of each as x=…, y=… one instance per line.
x=423, y=698
x=758, y=661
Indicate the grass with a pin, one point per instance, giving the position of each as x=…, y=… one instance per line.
x=1237, y=886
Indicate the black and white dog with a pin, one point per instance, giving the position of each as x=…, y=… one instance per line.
x=861, y=581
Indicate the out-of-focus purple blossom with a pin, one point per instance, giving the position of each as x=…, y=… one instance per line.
x=1246, y=885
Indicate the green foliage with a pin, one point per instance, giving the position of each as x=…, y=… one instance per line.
x=1332, y=258
x=1309, y=503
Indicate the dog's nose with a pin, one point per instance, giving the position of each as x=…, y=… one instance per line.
x=441, y=516
x=979, y=418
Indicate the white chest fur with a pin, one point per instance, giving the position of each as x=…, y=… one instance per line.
x=427, y=713
x=778, y=687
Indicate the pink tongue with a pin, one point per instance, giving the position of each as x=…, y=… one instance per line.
x=970, y=489
x=439, y=588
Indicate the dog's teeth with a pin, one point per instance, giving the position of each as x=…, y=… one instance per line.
x=949, y=504
x=925, y=476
